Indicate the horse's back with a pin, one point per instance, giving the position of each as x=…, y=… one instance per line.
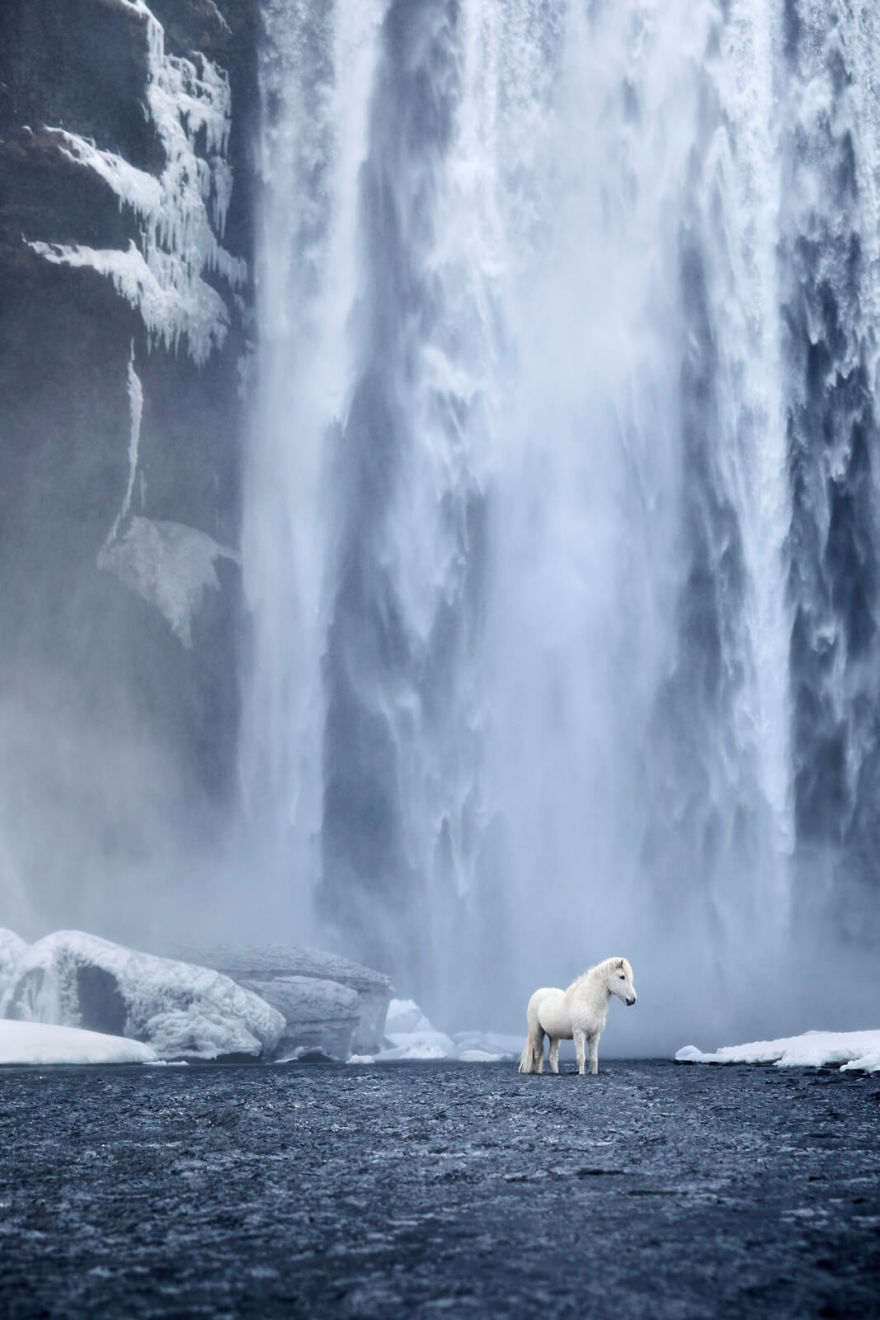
x=547, y=1007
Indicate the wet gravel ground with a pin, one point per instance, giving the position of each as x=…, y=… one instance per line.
x=653, y=1190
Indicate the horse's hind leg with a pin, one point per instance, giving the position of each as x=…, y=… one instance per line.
x=538, y=1048
x=554, y=1054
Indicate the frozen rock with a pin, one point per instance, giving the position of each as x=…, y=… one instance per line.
x=12, y=946
x=40, y=1043
x=182, y=1011
x=261, y=965
x=318, y=1014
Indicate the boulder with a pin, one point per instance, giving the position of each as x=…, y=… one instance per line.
x=183, y=1011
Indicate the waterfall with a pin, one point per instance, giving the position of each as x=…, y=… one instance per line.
x=559, y=538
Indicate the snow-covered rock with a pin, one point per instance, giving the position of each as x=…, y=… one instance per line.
x=40, y=1043
x=12, y=946
x=182, y=1011
x=851, y=1050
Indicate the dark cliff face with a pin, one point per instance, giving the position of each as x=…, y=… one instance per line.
x=124, y=305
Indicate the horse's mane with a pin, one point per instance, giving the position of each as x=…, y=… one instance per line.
x=598, y=967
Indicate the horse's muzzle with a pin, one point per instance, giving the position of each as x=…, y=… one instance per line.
x=630, y=1002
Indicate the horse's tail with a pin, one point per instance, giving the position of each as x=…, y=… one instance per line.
x=533, y=1051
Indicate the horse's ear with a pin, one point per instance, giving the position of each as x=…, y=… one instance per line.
x=620, y=963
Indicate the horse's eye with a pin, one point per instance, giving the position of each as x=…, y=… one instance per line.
x=623, y=976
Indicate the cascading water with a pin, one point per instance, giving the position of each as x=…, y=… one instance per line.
x=559, y=528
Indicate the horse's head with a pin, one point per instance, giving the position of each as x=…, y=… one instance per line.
x=620, y=980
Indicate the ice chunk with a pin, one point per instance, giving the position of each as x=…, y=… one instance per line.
x=405, y=1015
x=491, y=1044
x=40, y=1043
x=168, y=564
x=417, y=1045
x=410, y=1035
x=74, y=979
x=850, y=1049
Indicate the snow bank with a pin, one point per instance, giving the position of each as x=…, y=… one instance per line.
x=182, y=1011
x=39, y=1043
x=858, y=1050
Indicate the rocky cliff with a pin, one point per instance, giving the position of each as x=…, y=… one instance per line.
x=125, y=288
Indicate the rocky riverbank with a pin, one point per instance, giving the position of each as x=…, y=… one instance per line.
x=419, y=1189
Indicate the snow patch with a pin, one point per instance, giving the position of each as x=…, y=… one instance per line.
x=169, y=565
x=40, y=1043
x=851, y=1050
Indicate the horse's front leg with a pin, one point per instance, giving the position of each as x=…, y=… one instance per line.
x=594, y=1054
x=554, y=1054
x=579, y=1039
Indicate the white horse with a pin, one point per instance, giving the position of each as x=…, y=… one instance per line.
x=577, y=1013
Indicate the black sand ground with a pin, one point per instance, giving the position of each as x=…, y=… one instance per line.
x=653, y=1190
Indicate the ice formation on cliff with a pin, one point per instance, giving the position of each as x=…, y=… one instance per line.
x=182, y=212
